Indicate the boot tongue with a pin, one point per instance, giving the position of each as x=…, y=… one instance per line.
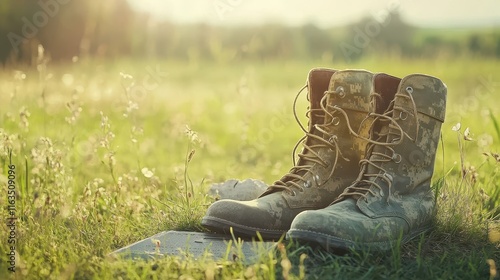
x=385, y=86
x=318, y=82
x=378, y=149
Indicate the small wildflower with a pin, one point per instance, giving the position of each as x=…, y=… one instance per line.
x=19, y=75
x=192, y=135
x=111, y=159
x=87, y=191
x=467, y=135
x=126, y=76
x=131, y=106
x=75, y=109
x=104, y=121
x=495, y=156
x=472, y=172
x=134, y=132
x=147, y=173
x=24, y=115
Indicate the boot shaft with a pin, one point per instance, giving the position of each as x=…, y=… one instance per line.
x=419, y=110
x=407, y=117
x=339, y=102
x=348, y=106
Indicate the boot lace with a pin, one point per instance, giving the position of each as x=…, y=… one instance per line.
x=362, y=185
x=309, y=156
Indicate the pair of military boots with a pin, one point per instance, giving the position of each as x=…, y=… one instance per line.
x=362, y=179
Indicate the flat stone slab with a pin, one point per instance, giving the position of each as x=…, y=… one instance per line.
x=194, y=245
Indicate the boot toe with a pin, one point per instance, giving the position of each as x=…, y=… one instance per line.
x=343, y=226
x=246, y=218
x=325, y=227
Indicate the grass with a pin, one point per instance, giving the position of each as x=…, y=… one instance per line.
x=101, y=161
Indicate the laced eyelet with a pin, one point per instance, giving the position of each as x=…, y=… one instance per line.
x=307, y=184
x=403, y=115
x=293, y=193
x=333, y=139
x=316, y=179
x=340, y=91
x=396, y=158
x=395, y=140
x=388, y=176
x=301, y=190
x=409, y=90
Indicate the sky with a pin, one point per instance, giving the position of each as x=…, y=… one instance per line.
x=324, y=13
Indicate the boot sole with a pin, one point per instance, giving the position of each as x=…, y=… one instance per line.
x=332, y=243
x=223, y=226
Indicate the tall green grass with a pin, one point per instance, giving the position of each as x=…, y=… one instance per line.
x=103, y=163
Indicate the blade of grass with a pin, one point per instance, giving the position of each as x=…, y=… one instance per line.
x=495, y=124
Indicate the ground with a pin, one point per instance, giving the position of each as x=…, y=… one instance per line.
x=104, y=153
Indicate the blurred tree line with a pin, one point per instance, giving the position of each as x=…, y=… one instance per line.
x=108, y=29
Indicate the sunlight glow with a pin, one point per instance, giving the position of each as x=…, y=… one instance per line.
x=321, y=12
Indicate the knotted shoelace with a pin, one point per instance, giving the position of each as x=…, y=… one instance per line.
x=362, y=185
x=310, y=153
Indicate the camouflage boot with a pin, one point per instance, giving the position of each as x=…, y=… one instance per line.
x=328, y=163
x=391, y=200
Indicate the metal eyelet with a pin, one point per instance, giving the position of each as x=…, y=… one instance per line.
x=307, y=184
x=409, y=90
x=335, y=121
x=317, y=179
x=293, y=193
x=333, y=139
x=340, y=91
x=397, y=158
x=403, y=115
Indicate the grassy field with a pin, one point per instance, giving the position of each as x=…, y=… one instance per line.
x=101, y=151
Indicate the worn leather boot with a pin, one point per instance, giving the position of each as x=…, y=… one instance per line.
x=328, y=163
x=391, y=200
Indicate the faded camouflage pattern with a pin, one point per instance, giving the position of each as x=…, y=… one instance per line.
x=402, y=206
x=238, y=190
x=272, y=213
